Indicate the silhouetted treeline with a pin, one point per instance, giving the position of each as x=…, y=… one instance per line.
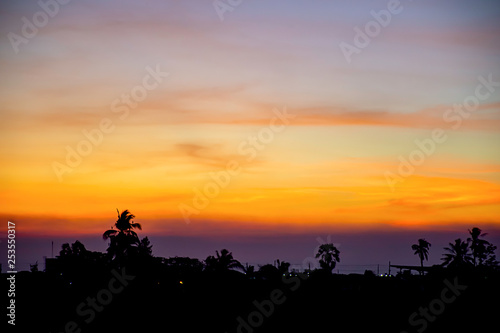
x=127, y=289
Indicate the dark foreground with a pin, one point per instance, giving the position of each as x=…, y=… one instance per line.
x=135, y=300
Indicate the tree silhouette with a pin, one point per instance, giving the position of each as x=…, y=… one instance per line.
x=145, y=248
x=283, y=266
x=491, y=260
x=269, y=272
x=123, y=240
x=123, y=225
x=329, y=256
x=477, y=245
x=76, y=261
x=422, y=250
x=77, y=249
x=34, y=267
x=458, y=256
x=222, y=262
x=249, y=270
x=483, y=252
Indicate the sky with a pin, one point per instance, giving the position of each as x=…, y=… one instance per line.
x=254, y=125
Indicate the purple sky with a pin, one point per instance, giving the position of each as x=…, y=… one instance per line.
x=361, y=250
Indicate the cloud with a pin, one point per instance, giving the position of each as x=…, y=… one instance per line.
x=335, y=116
x=203, y=154
x=174, y=109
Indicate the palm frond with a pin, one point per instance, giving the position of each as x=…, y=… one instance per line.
x=108, y=233
x=136, y=225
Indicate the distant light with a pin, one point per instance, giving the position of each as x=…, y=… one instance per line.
x=181, y=282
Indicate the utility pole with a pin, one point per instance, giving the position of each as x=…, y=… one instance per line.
x=52, y=250
x=378, y=269
x=389, y=267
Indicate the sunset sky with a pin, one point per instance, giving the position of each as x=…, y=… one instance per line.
x=301, y=139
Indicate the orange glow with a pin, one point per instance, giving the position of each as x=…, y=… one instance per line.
x=323, y=168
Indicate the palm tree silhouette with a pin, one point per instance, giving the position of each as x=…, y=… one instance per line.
x=329, y=255
x=422, y=249
x=477, y=246
x=223, y=262
x=123, y=225
x=123, y=238
x=458, y=256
